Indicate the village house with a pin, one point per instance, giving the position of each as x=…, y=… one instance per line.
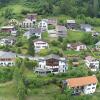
x=97, y=46
x=33, y=32
x=52, y=33
x=61, y=31
x=8, y=29
x=84, y=85
x=76, y=46
x=51, y=64
x=27, y=23
x=52, y=21
x=7, y=41
x=86, y=27
x=7, y=58
x=92, y=63
x=32, y=17
x=13, y=22
x=43, y=24
x=71, y=24
x=40, y=44
x=95, y=34
x=75, y=62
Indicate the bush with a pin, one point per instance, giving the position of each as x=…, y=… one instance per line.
x=6, y=74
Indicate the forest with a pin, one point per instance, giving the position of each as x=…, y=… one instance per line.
x=73, y=8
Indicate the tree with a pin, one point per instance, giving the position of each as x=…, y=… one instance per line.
x=43, y=52
x=88, y=39
x=8, y=13
x=68, y=93
x=60, y=39
x=21, y=91
x=95, y=7
x=18, y=79
x=31, y=50
x=18, y=62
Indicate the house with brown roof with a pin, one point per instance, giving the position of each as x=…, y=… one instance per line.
x=51, y=64
x=8, y=29
x=92, y=63
x=85, y=85
x=78, y=46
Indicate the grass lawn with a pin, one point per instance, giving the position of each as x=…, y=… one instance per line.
x=72, y=52
x=97, y=28
x=16, y=8
x=75, y=35
x=8, y=92
x=45, y=36
x=44, y=93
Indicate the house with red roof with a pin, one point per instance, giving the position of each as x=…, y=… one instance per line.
x=85, y=85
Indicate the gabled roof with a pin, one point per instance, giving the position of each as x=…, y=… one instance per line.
x=55, y=57
x=81, y=81
x=34, y=30
x=71, y=21
x=76, y=44
x=52, y=21
x=7, y=27
x=4, y=54
x=86, y=26
x=89, y=58
x=61, y=28
x=39, y=40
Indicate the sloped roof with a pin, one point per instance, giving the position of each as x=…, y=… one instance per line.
x=55, y=57
x=89, y=58
x=86, y=26
x=81, y=81
x=61, y=28
x=4, y=54
x=7, y=27
x=33, y=30
x=71, y=21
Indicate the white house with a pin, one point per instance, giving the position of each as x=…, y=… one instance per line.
x=7, y=58
x=51, y=64
x=40, y=44
x=92, y=63
x=27, y=23
x=43, y=24
x=7, y=41
x=77, y=46
x=97, y=46
x=33, y=32
x=86, y=27
x=85, y=85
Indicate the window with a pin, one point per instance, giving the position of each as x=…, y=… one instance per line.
x=93, y=87
x=94, y=84
x=88, y=89
x=89, y=85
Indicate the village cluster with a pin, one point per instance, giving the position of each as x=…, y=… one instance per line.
x=51, y=63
